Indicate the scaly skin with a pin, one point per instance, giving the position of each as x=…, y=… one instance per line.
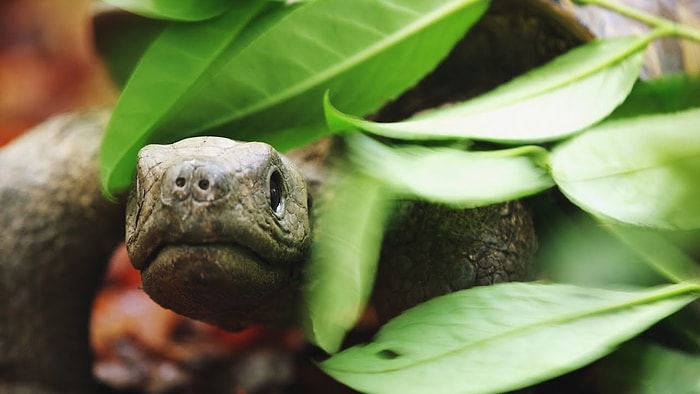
x=220, y=230
x=57, y=235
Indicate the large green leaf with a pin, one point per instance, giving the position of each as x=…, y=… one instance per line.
x=453, y=176
x=566, y=95
x=271, y=87
x=352, y=47
x=181, y=55
x=347, y=238
x=641, y=171
x=501, y=337
x=183, y=10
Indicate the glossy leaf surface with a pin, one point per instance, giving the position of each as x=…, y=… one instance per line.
x=562, y=97
x=268, y=84
x=181, y=55
x=501, y=337
x=641, y=171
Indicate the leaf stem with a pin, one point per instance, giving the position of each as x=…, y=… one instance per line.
x=663, y=26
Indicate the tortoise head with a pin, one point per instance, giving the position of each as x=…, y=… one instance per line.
x=219, y=230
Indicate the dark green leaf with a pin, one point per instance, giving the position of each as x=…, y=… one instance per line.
x=646, y=368
x=271, y=87
x=183, y=10
x=566, y=95
x=348, y=236
x=181, y=55
x=641, y=171
x=352, y=47
x=121, y=39
x=501, y=337
x=660, y=96
x=453, y=176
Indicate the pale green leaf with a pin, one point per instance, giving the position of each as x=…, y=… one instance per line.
x=642, y=171
x=564, y=96
x=659, y=252
x=574, y=248
x=453, y=176
x=347, y=239
x=182, y=10
x=502, y=337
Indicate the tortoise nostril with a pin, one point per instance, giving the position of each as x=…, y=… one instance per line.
x=209, y=183
x=175, y=185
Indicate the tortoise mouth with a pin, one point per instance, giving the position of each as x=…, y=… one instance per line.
x=191, y=263
x=223, y=284
x=208, y=273
x=170, y=252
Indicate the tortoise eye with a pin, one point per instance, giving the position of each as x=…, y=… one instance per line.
x=276, y=192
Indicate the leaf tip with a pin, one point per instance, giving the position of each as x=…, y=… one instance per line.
x=336, y=120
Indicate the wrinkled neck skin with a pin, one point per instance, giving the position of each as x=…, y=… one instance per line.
x=57, y=235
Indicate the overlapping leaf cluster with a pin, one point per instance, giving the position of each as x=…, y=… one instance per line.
x=627, y=152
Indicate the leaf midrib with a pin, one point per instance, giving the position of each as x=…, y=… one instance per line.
x=651, y=166
x=578, y=77
x=659, y=295
x=350, y=62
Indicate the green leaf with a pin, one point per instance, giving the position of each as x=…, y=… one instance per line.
x=564, y=96
x=453, y=176
x=182, y=10
x=661, y=96
x=181, y=55
x=271, y=86
x=354, y=48
x=647, y=368
x=566, y=242
x=660, y=253
x=501, y=337
x=641, y=171
x=121, y=39
x=347, y=240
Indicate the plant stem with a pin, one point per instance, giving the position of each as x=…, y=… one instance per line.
x=664, y=26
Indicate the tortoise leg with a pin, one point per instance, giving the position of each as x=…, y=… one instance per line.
x=57, y=233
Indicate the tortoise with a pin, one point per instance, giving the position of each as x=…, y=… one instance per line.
x=58, y=227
